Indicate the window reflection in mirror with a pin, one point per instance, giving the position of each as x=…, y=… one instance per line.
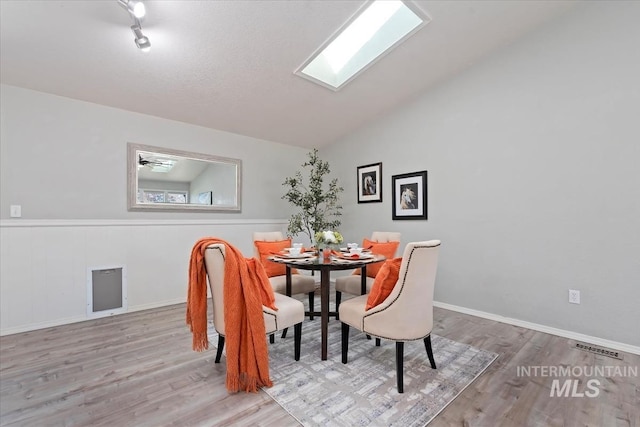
x=166, y=179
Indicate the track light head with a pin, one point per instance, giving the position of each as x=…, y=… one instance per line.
x=143, y=44
x=134, y=7
x=141, y=40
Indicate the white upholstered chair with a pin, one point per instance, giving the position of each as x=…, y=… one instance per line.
x=407, y=313
x=290, y=311
x=352, y=284
x=300, y=284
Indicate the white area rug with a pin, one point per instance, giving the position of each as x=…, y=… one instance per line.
x=363, y=392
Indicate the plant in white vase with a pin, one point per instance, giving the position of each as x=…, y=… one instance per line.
x=325, y=241
x=317, y=202
x=328, y=238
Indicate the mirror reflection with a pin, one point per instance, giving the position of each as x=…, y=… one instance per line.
x=166, y=179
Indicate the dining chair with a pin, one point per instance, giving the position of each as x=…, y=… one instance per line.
x=406, y=314
x=300, y=283
x=290, y=311
x=352, y=284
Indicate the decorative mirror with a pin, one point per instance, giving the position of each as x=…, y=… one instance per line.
x=174, y=180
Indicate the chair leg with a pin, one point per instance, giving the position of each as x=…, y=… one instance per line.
x=345, y=342
x=399, y=370
x=272, y=338
x=427, y=345
x=284, y=333
x=377, y=342
x=297, y=338
x=338, y=299
x=220, y=347
x=311, y=306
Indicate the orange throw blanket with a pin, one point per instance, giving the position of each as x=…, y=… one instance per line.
x=246, y=290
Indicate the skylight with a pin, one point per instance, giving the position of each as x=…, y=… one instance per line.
x=375, y=30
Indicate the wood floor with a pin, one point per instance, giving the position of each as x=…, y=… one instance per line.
x=138, y=369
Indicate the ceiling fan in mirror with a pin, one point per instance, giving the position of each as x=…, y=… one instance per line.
x=156, y=164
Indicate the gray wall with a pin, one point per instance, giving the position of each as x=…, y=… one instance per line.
x=533, y=158
x=220, y=180
x=66, y=159
x=152, y=184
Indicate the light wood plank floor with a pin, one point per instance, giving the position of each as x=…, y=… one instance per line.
x=138, y=369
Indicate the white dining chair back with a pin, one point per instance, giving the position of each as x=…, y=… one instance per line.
x=352, y=284
x=300, y=283
x=407, y=313
x=265, y=236
x=290, y=311
x=385, y=236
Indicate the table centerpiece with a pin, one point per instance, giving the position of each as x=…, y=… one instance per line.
x=326, y=241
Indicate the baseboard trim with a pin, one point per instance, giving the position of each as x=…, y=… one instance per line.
x=84, y=318
x=542, y=328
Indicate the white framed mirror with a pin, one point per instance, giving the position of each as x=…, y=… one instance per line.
x=174, y=180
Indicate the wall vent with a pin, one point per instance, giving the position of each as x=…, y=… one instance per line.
x=106, y=291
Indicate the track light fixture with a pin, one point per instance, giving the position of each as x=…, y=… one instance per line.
x=141, y=40
x=137, y=10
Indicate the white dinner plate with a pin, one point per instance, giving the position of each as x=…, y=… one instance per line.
x=302, y=255
x=360, y=256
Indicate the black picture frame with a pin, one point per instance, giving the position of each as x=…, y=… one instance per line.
x=370, y=183
x=409, y=195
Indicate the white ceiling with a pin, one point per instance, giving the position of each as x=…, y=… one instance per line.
x=229, y=65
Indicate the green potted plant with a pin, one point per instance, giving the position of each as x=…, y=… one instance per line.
x=317, y=203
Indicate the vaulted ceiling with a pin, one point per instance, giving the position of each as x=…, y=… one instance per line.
x=229, y=65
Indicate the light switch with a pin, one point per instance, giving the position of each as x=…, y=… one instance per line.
x=16, y=211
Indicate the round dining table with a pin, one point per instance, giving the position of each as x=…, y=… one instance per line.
x=325, y=267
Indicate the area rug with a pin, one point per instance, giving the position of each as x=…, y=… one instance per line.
x=363, y=392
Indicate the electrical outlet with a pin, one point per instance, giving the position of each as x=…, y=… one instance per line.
x=574, y=296
x=16, y=211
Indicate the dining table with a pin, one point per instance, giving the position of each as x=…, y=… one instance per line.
x=325, y=266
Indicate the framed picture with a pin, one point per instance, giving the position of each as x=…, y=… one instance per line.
x=204, y=198
x=370, y=183
x=410, y=195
